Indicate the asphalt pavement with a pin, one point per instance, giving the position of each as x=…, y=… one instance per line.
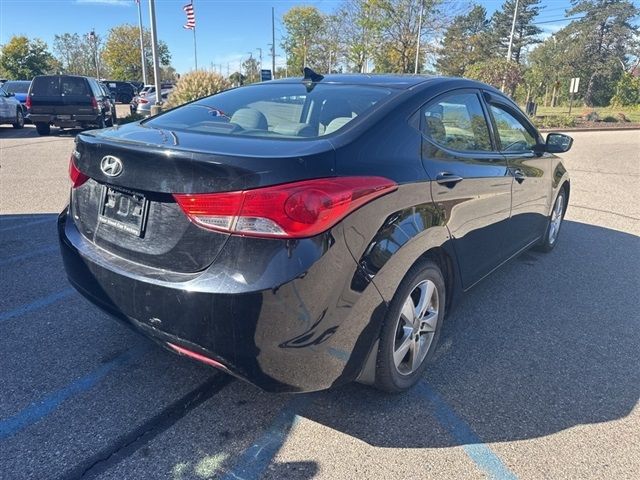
x=537, y=374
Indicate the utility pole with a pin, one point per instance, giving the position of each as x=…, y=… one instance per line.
x=154, y=51
x=273, y=43
x=144, y=66
x=260, y=52
x=94, y=37
x=418, y=38
x=513, y=30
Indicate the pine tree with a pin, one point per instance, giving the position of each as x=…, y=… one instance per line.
x=525, y=34
x=464, y=43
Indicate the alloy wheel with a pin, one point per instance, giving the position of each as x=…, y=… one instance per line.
x=416, y=327
x=556, y=219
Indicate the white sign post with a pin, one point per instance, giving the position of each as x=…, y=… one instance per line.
x=573, y=88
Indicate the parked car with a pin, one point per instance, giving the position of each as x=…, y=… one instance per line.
x=67, y=101
x=11, y=110
x=108, y=102
x=123, y=91
x=19, y=88
x=302, y=245
x=145, y=103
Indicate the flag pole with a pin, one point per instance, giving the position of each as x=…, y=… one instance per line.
x=143, y=63
x=195, y=48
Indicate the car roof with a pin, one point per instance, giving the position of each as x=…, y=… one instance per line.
x=396, y=81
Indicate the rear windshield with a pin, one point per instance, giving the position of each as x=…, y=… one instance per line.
x=285, y=110
x=16, y=87
x=55, y=85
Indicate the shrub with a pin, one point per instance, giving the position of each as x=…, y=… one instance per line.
x=610, y=119
x=627, y=91
x=197, y=84
x=556, y=121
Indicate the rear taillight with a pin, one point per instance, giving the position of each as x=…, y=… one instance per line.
x=27, y=103
x=143, y=100
x=94, y=102
x=293, y=210
x=76, y=176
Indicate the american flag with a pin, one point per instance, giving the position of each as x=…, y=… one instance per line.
x=191, y=16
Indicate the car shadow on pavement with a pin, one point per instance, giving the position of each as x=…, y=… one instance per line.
x=549, y=342
x=29, y=131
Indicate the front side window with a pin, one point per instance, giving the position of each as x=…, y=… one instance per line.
x=285, y=110
x=514, y=136
x=457, y=122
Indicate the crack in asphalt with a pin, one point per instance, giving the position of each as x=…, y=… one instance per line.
x=604, y=211
x=136, y=439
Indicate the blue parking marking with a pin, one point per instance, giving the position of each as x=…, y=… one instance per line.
x=37, y=411
x=476, y=450
x=256, y=459
x=27, y=224
x=36, y=305
x=28, y=255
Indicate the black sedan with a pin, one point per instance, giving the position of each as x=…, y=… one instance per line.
x=304, y=233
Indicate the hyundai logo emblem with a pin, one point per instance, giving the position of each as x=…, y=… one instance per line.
x=111, y=166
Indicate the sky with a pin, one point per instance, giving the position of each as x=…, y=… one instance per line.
x=227, y=31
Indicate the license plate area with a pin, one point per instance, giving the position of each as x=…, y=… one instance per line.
x=64, y=117
x=124, y=210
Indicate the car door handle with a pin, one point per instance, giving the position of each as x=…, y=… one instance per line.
x=519, y=175
x=448, y=179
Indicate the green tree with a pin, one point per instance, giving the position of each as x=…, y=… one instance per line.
x=525, y=33
x=497, y=72
x=122, y=53
x=22, y=58
x=598, y=45
x=359, y=28
x=251, y=70
x=627, y=91
x=304, y=26
x=77, y=53
x=398, y=33
x=464, y=43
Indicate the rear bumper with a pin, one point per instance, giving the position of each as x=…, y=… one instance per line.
x=306, y=322
x=74, y=120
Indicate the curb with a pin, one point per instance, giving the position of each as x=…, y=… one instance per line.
x=595, y=129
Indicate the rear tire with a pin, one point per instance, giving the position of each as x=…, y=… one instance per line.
x=43, y=128
x=19, y=123
x=101, y=122
x=554, y=223
x=411, y=328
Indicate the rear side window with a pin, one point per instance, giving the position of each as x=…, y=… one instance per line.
x=46, y=86
x=280, y=110
x=75, y=86
x=16, y=87
x=457, y=121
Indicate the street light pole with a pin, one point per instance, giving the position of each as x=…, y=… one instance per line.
x=154, y=52
x=513, y=30
x=419, y=35
x=273, y=43
x=144, y=66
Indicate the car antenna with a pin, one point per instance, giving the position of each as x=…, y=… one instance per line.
x=310, y=78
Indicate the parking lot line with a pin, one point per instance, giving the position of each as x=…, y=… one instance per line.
x=253, y=462
x=130, y=443
x=36, y=304
x=26, y=224
x=480, y=453
x=35, y=412
x=28, y=255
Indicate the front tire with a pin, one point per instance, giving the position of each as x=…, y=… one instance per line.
x=43, y=128
x=19, y=123
x=411, y=329
x=552, y=232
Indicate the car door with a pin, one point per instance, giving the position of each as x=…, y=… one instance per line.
x=4, y=106
x=517, y=140
x=470, y=180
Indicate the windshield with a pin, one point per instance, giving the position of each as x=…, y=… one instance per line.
x=284, y=110
x=17, y=87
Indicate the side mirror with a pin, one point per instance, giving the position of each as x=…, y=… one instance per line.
x=558, y=143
